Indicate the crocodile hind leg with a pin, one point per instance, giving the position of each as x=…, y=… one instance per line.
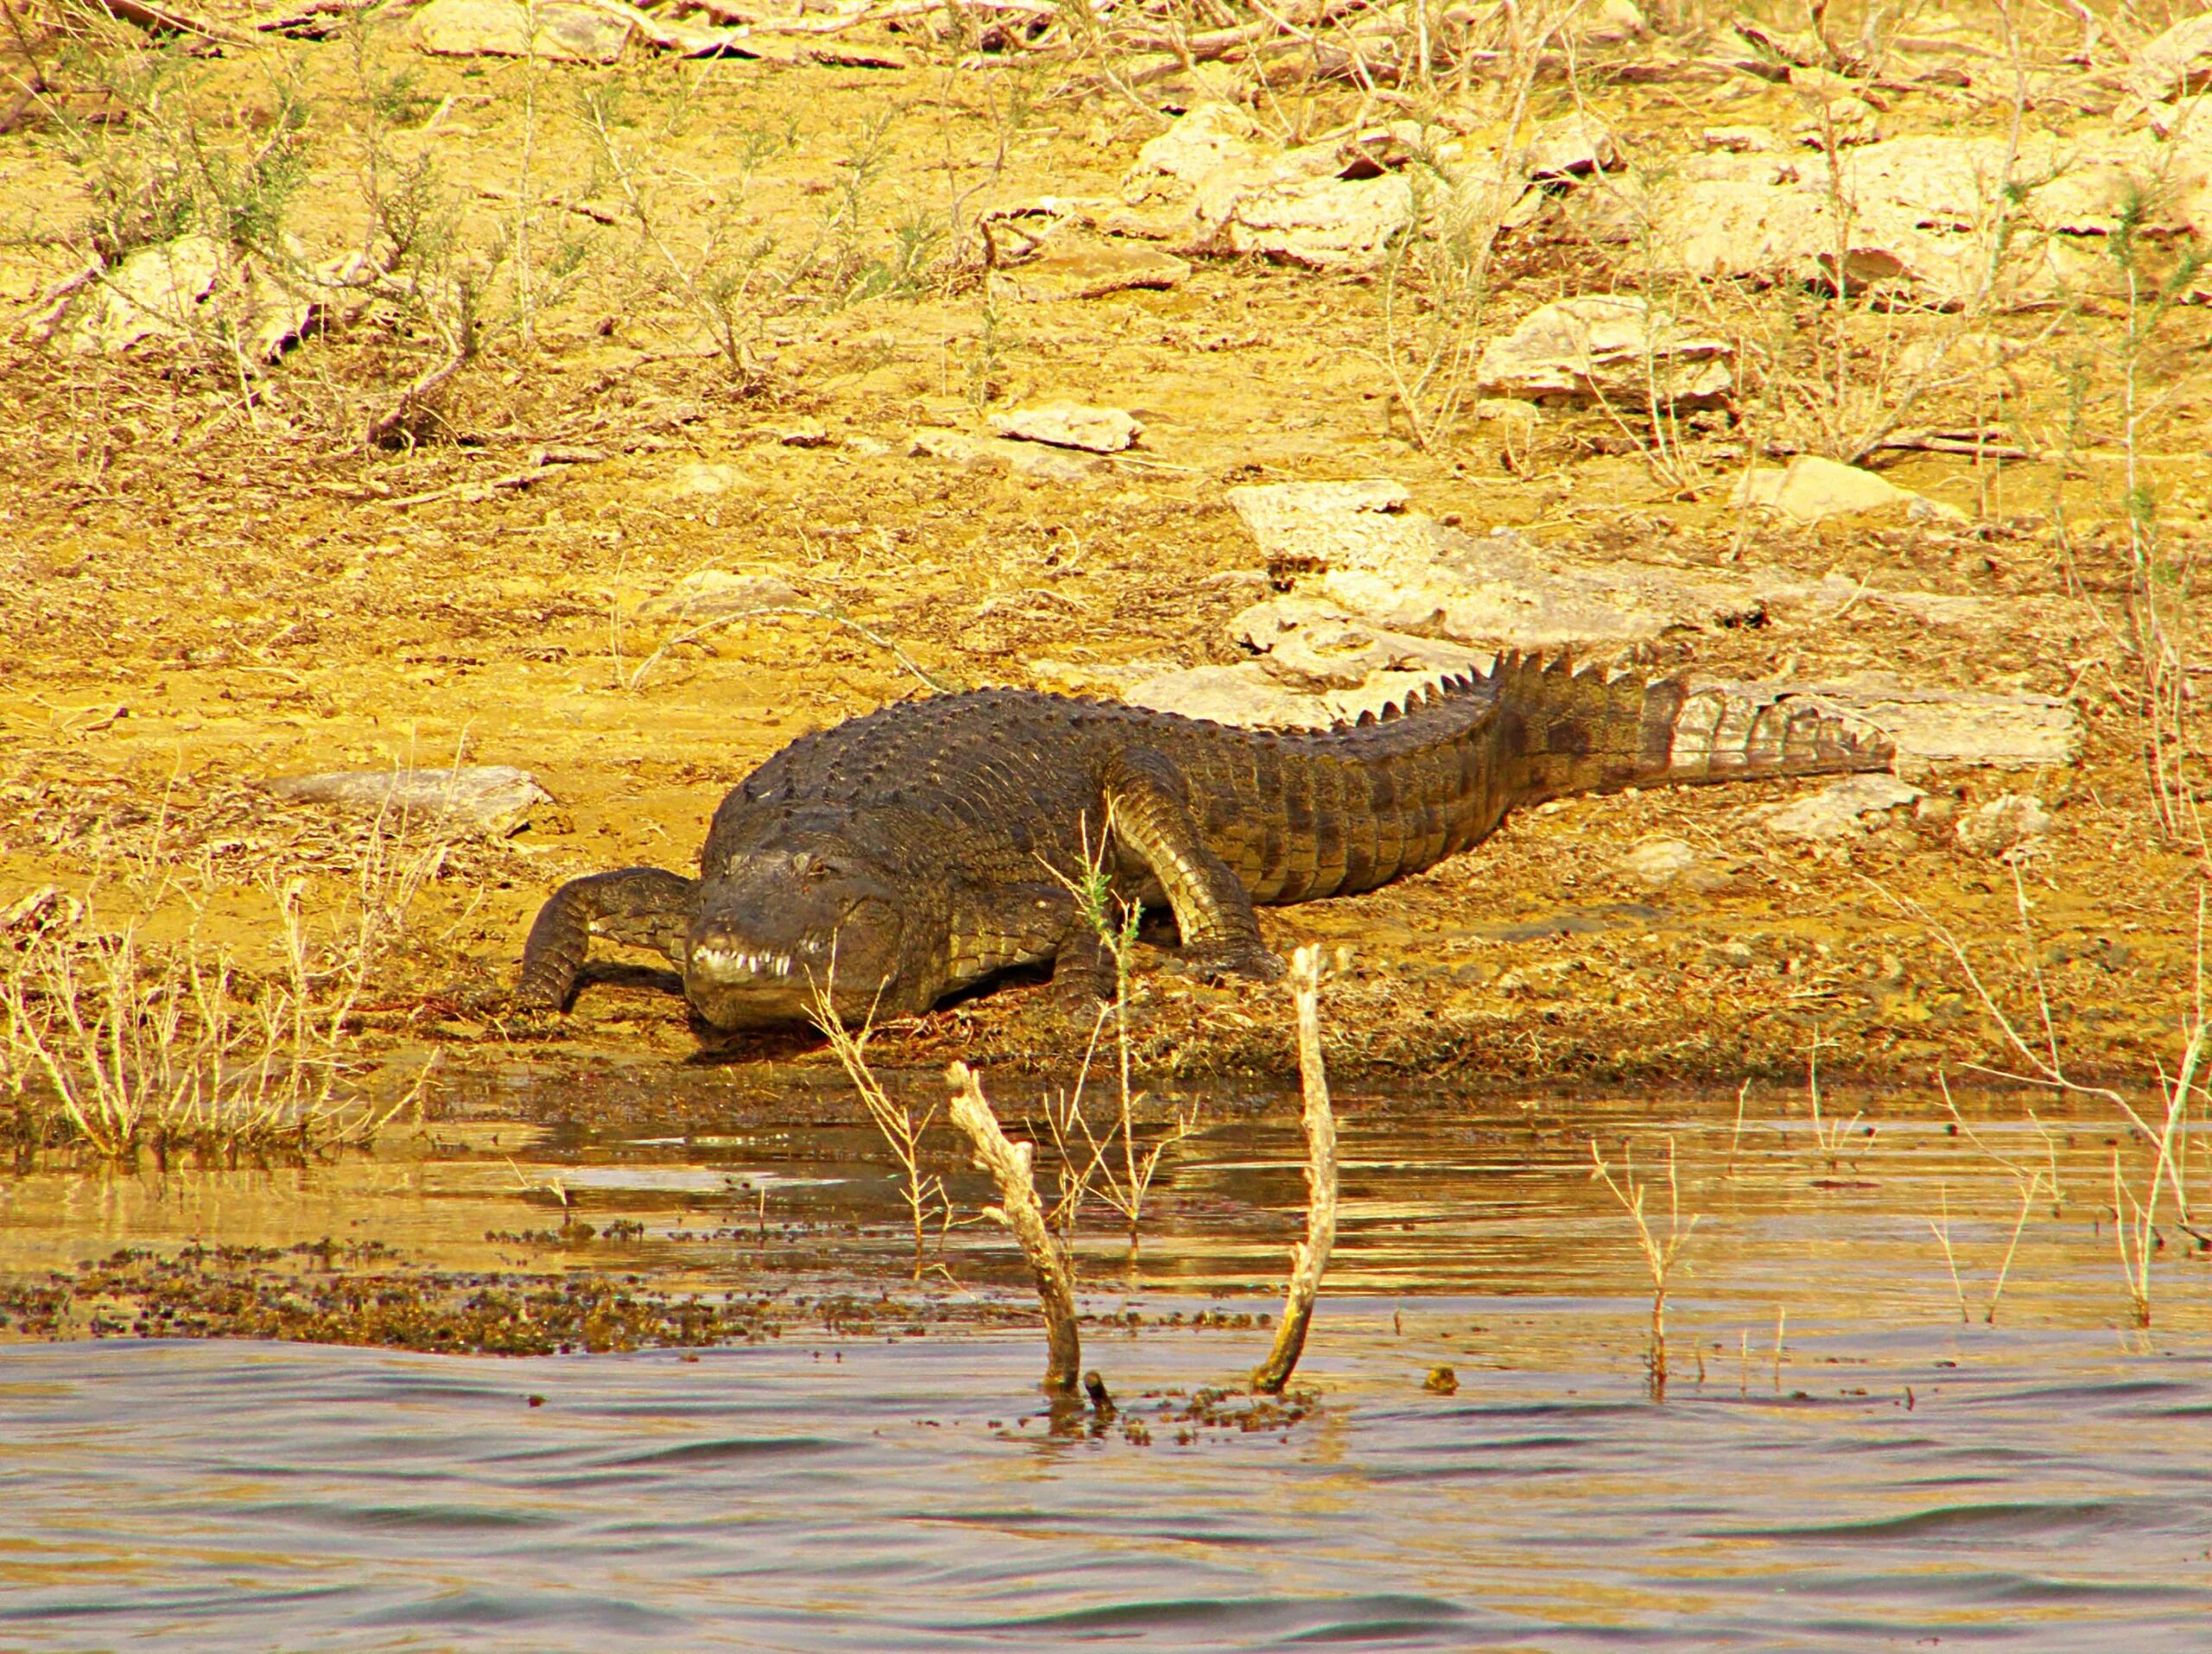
x=1146, y=811
x=644, y=906
x=1082, y=970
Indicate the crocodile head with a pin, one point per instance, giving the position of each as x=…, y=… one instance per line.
x=772, y=926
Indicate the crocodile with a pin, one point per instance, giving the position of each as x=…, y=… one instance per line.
x=873, y=868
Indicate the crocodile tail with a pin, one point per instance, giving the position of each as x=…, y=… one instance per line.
x=1563, y=731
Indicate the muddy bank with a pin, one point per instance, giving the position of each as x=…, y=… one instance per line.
x=606, y=555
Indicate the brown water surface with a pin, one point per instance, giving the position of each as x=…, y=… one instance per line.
x=1840, y=1459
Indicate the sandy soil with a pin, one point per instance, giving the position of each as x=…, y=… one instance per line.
x=200, y=595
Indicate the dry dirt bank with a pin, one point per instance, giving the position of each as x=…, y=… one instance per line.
x=212, y=578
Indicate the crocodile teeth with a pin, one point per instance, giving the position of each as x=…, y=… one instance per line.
x=729, y=964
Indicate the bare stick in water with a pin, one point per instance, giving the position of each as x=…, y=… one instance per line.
x=1311, y=1256
x=1009, y=1163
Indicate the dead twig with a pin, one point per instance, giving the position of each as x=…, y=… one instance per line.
x=1009, y=1162
x=1310, y=1256
x=395, y=420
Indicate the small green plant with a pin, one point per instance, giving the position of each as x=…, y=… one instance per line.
x=169, y=167
x=725, y=280
x=1111, y=1163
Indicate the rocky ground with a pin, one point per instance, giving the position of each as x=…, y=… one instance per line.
x=376, y=403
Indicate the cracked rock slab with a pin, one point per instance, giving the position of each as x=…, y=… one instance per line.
x=1607, y=345
x=1360, y=545
x=1070, y=424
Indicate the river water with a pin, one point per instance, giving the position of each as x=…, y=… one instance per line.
x=1840, y=1459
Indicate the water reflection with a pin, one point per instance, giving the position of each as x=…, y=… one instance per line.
x=1853, y=1452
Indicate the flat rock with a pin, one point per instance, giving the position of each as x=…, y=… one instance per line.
x=1944, y=727
x=1361, y=546
x=1810, y=488
x=1247, y=694
x=1070, y=424
x=1076, y=265
x=1036, y=461
x=2177, y=62
x=155, y=291
x=1610, y=346
x=1311, y=644
x=1358, y=545
x=1570, y=147
x=1240, y=193
x=1919, y=211
x=564, y=31
x=1836, y=810
x=1660, y=862
x=1319, y=223
x=194, y=288
x=492, y=799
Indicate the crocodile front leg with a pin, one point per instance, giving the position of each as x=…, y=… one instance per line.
x=1146, y=811
x=643, y=906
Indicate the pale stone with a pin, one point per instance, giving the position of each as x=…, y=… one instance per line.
x=2173, y=62
x=1327, y=656
x=194, y=287
x=1951, y=726
x=1810, y=488
x=1322, y=223
x=1076, y=266
x=1402, y=570
x=2004, y=824
x=1921, y=211
x=155, y=292
x=1247, y=195
x=1565, y=148
x=563, y=30
x=1202, y=142
x=1605, y=345
x=1660, y=862
x=1070, y=424
x=704, y=477
x=492, y=799
x=1278, y=629
x=1836, y=810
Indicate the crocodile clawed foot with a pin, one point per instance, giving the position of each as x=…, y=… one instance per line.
x=1219, y=963
x=1079, y=992
x=534, y=1003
